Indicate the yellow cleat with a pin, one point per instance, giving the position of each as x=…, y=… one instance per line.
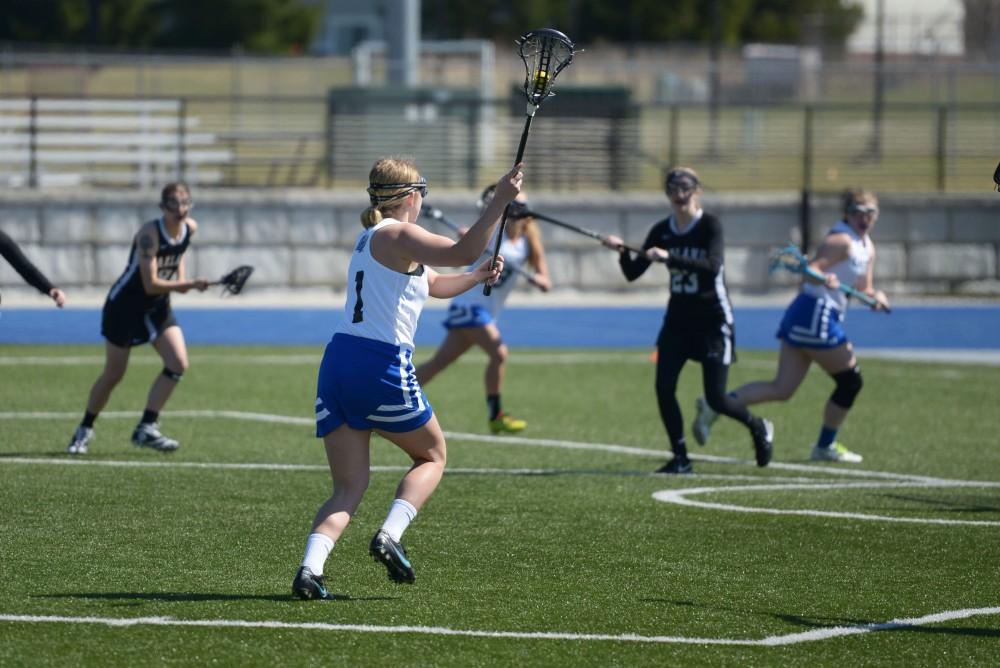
x=505, y=424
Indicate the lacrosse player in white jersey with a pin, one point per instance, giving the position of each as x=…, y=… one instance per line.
x=366, y=379
x=472, y=316
x=812, y=327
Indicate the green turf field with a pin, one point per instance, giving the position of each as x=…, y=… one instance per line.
x=547, y=549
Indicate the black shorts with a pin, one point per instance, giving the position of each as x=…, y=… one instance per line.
x=127, y=327
x=715, y=342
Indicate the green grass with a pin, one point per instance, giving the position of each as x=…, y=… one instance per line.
x=578, y=547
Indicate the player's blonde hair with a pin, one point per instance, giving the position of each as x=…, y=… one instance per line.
x=390, y=171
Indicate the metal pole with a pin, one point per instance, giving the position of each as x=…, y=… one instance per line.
x=805, y=207
x=402, y=36
x=942, y=148
x=879, y=92
x=181, y=137
x=33, y=143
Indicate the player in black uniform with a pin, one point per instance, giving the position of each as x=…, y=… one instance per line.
x=137, y=311
x=698, y=324
x=29, y=272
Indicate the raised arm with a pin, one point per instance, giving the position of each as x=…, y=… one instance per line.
x=418, y=245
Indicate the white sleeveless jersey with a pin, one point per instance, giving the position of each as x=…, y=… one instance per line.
x=382, y=304
x=848, y=271
x=515, y=255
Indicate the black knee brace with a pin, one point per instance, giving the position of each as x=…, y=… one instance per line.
x=172, y=375
x=849, y=383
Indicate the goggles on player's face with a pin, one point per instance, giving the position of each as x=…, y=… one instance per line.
x=175, y=204
x=863, y=209
x=419, y=186
x=680, y=183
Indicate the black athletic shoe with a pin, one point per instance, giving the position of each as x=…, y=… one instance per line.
x=677, y=465
x=307, y=586
x=393, y=556
x=763, y=440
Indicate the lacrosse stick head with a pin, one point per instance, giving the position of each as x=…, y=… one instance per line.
x=233, y=282
x=789, y=258
x=545, y=53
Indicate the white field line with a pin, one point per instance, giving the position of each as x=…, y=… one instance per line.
x=825, y=633
x=487, y=438
x=679, y=497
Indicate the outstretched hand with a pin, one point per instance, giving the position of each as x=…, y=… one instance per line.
x=58, y=296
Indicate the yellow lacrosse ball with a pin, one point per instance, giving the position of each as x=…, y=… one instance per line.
x=540, y=78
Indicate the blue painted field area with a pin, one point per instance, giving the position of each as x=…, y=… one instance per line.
x=941, y=327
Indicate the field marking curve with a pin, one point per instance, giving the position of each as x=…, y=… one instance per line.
x=814, y=635
x=679, y=497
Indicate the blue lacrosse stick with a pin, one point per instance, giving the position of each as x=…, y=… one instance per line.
x=790, y=258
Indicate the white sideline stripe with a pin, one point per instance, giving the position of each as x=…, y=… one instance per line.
x=267, y=466
x=679, y=497
x=484, y=438
x=770, y=641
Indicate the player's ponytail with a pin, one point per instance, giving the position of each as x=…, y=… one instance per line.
x=371, y=217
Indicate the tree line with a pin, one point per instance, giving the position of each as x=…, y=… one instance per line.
x=283, y=26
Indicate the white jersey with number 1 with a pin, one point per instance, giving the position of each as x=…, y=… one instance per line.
x=382, y=304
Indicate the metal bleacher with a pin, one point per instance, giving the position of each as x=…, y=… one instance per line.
x=104, y=142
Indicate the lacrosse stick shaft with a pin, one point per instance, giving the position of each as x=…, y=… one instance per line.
x=440, y=217
x=487, y=288
x=581, y=230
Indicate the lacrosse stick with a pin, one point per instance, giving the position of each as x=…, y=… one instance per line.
x=545, y=53
x=790, y=258
x=584, y=231
x=234, y=281
x=436, y=214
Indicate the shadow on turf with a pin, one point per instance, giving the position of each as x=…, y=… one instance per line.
x=835, y=622
x=189, y=597
x=984, y=504
x=839, y=622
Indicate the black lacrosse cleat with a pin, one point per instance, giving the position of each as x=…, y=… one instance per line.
x=392, y=554
x=307, y=585
x=677, y=466
x=763, y=440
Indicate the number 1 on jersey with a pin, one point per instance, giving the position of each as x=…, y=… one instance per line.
x=359, y=315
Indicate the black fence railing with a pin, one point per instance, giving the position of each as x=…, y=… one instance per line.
x=460, y=142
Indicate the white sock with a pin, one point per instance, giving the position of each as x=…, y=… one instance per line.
x=401, y=513
x=318, y=548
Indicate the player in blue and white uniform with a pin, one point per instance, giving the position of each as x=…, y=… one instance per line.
x=812, y=327
x=366, y=379
x=472, y=316
x=137, y=310
x=699, y=323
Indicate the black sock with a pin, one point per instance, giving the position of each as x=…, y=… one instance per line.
x=88, y=420
x=149, y=417
x=680, y=449
x=493, y=401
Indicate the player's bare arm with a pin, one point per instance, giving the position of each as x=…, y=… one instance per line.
x=445, y=286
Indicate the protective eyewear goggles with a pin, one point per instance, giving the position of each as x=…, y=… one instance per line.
x=862, y=209
x=175, y=203
x=680, y=182
x=416, y=186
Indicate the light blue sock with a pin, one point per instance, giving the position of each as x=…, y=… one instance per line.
x=826, y=437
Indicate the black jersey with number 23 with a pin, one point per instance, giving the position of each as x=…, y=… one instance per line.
x=698, y=294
